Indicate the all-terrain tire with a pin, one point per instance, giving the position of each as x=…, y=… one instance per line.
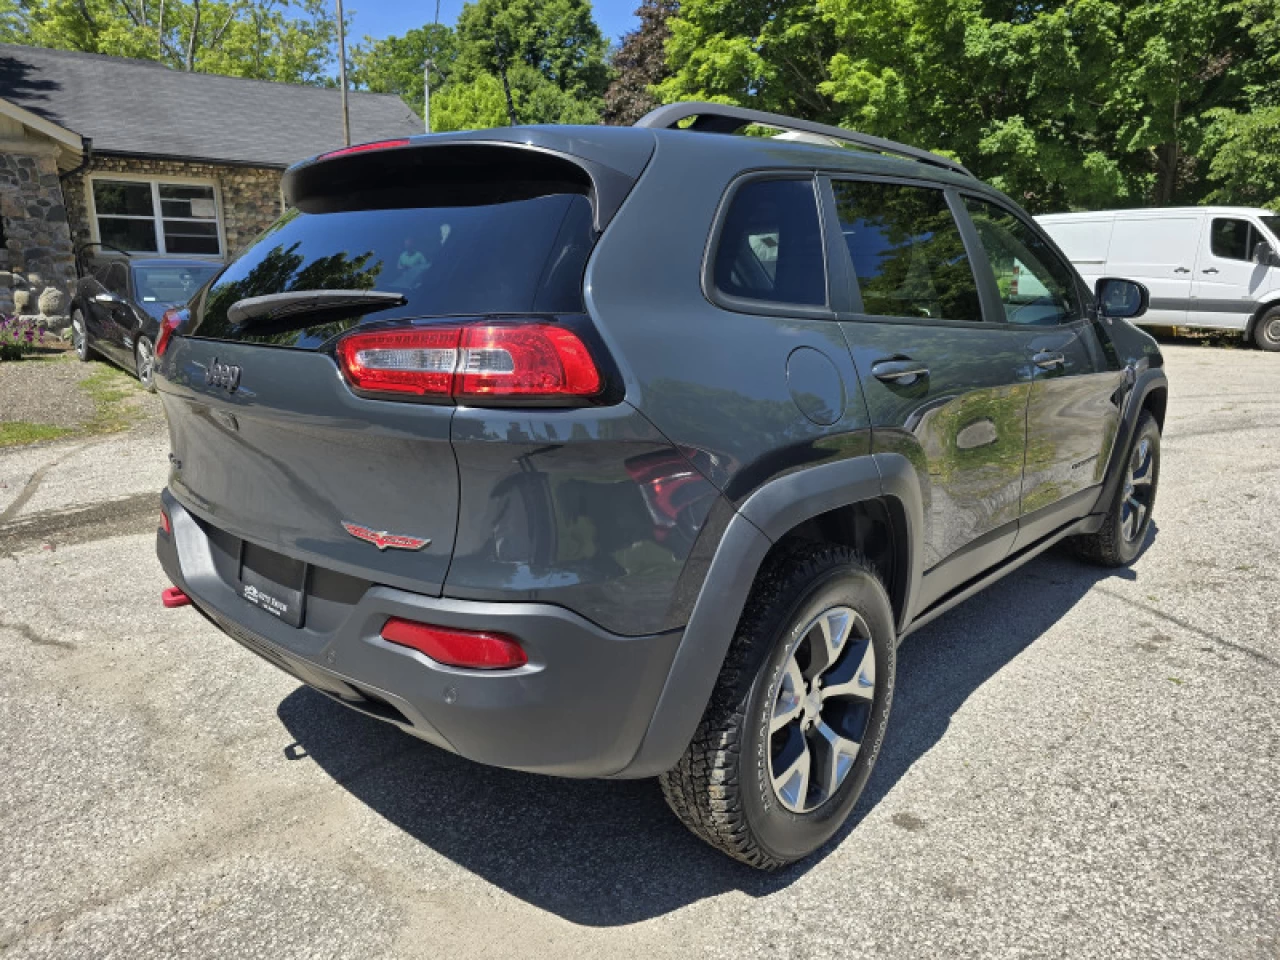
x=721, y=788
x=1110, y=547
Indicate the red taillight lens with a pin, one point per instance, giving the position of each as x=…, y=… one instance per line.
x=172, y=320
x=530, y=360
x=365, y=148
x=416, y=361
x=457, y=648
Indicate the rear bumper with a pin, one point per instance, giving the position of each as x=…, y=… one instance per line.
x=579, y=708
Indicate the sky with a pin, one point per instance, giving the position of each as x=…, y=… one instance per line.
x=378, y=18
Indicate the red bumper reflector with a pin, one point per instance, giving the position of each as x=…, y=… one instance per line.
x=165, y=525
x=473, y=649
x=173, y=597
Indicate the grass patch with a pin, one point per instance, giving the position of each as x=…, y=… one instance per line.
x=111, y=389
x=17, y=433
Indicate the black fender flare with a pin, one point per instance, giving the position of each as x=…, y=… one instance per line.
x=1149, y=380
x=764, y=518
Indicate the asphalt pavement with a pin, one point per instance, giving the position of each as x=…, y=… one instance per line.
x=1080, y=763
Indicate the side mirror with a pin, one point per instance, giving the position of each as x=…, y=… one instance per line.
x=108, y=298
x=1121, y=299
x=1264, y=255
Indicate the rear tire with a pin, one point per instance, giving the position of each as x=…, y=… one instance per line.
x=786, y=744
x=1124, y=529
x=1266, y=332
x=80, y=336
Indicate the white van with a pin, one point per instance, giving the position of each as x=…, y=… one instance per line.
x=1213, y=267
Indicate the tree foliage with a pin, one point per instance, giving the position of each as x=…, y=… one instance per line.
x=1069, y=103
x=640, y=64
x=261, y=39
x=395, y=64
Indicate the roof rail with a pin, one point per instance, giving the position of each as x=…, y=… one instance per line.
x=720, y=118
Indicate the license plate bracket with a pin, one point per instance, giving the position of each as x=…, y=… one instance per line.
x=274, y=583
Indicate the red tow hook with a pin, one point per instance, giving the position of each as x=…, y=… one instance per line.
x=173, y=597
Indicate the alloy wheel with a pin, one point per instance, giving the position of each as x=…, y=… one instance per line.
x=821, y=707
x=1138, y=491
x=78, y=336
x=146, y=361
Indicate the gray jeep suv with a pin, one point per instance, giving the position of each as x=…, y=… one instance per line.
x=633, y=452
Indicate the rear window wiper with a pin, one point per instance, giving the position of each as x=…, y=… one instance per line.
x=331, y=304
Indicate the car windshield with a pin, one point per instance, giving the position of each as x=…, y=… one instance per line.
x=159, y=286
x=1272, y=223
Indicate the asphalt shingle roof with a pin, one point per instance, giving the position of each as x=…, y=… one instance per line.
x=144, y=108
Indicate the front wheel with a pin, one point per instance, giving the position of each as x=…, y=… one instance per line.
x=144, y=363
x=1124, y=529
x=1266, y=332
x=80, y=335
x=798, y=714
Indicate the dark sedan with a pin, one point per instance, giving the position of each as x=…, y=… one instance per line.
x=119, y=303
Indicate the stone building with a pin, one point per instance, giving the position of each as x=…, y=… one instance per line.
x=131, y=155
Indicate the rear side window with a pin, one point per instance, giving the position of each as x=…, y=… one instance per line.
x=907, y=251
x=770, y=247
x=1230, y=239
x=1036, y=287
x=493, y=255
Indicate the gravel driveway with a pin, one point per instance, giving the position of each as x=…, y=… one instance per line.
x=1080, y=764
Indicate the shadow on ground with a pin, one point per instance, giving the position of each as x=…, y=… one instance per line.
x=604, y=853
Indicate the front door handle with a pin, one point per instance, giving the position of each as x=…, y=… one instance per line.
x=1182, y=270
x=1210, y=270
x=899, y=370
x=1048, y=359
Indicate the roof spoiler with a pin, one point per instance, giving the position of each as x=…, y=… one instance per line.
x=721, y=118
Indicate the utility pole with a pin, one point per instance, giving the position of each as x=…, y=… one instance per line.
x=426, y=95
x=426, y=81
x=342, y=77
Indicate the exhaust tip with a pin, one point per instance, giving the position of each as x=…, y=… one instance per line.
x=173, y=597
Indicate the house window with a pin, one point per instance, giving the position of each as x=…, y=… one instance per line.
x=150, y=216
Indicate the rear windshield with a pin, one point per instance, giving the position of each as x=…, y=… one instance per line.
x=506, y=256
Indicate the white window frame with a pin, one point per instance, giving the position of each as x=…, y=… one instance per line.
x=157, y=217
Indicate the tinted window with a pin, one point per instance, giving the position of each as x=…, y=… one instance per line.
x=492, y=256
x=771, y=245
x=907, y=251
x=1272, y=223
x=1036, y=287
x=1230, y=239
x=157, y=287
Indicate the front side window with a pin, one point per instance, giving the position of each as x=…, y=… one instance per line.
x=770, y=246
x=1036, y=287
x=142, y=216
x=1230, y=239
x=907, y=251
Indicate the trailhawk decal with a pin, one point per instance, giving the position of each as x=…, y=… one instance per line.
x=382, y=540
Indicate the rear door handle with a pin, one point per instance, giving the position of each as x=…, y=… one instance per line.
x=1181, y=270
x=898, y=370
x=1048, y=359
x=1210, y=270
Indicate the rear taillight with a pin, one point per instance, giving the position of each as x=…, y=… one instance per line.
x=172, y=320
x=473, y=649
x=529, y=361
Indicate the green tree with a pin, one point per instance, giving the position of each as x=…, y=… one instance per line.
x=395, y=64
x=1067, y=103
x=482, y=102
x=639, y=64
x=261, y=39
x=558, y=39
